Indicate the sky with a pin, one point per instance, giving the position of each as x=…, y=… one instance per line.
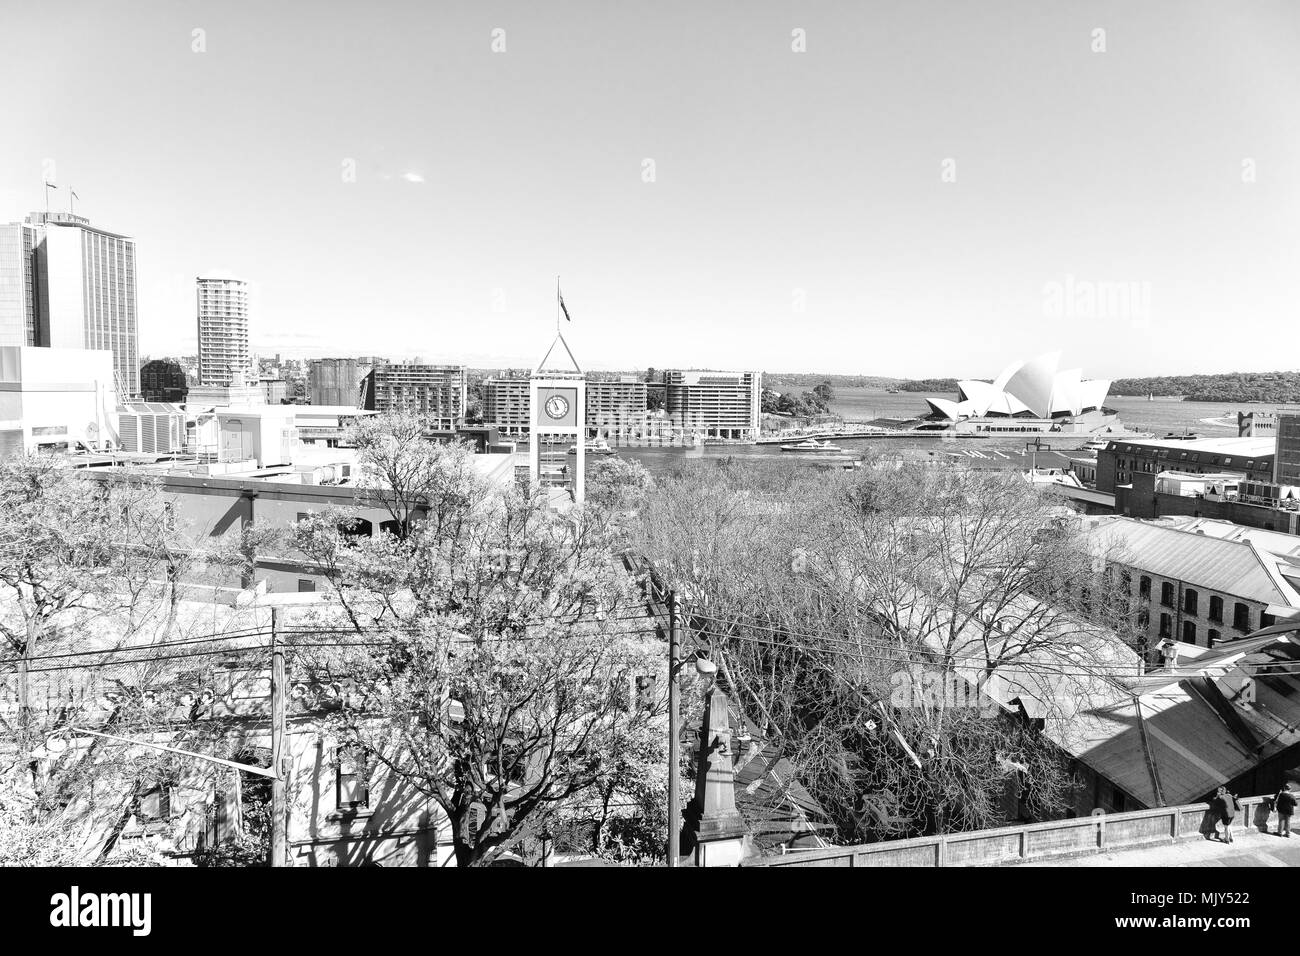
x=912, y=188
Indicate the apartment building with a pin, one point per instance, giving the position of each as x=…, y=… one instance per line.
x=223, y=330
x=506, y=403
x=436, y=392
x=616, y=404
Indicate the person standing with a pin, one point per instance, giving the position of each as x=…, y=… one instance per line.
x=1285, y=804
x=1224, y=808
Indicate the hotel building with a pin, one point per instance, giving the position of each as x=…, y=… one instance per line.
x=718, y=404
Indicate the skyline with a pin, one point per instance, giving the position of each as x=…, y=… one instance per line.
x=781, y=179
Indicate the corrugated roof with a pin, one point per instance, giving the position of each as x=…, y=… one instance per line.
x=1192, y=742
x=1215, y=564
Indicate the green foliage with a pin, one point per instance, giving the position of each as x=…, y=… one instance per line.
x=929, y=385
x=1273, y=387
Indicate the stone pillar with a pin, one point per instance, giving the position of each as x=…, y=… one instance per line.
x=715, y=829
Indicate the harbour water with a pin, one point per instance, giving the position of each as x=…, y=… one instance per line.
x=1160, y=416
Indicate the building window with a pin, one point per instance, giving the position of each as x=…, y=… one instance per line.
x=1167, y=594
x=1144, y=619
x=1213, y=638
x=352, y=792
x=306, y=585
x=154, y=806
x=1216, y=608
x=1166, y=625
x=1189, y=632
x=1241, y=617
x=1189, y=601
x=1266, y=619
x=1144, y=587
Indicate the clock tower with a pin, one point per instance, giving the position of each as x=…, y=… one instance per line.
x=557, y=396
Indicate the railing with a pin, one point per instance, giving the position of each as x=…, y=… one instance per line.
x=1035, y=841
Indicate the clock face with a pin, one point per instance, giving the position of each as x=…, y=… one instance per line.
x=557, y=406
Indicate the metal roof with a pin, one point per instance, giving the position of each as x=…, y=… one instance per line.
x=1215, y=564
x=1172, y=738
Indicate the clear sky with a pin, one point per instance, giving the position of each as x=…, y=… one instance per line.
x=798, y=217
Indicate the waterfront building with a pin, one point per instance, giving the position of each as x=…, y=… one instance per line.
x=163, y=380
x=1026, y=397
x=1256, y=424
x=507, y=403
x=223, y=330
x=1124, y=458
x=717, y=404
x=436, y=392
x=616, y=405
x=1286, y=468
x=558, y=434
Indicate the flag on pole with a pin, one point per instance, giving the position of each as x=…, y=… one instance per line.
x=74, y=193
x=563, y=307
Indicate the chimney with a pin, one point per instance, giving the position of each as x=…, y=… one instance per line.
x=1169, y=651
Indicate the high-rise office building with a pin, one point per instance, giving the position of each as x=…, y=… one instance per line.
x=435, y=392
x=720, y=404
x=20, y=317
x=80, y=291
x=223, y=331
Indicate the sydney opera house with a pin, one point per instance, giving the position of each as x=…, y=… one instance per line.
x=1033, y=396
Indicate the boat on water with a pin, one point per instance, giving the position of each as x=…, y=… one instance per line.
x=812, y=444
x=596, y=446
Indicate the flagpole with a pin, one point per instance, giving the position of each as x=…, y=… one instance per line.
x=557, y=305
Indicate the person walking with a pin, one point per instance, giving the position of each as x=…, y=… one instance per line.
x=1285, y=804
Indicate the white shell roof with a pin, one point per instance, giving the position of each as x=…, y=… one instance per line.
x=1037, y=386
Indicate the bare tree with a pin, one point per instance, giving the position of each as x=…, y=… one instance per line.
x=508, y=635
x=903, y=635
x=412, y=476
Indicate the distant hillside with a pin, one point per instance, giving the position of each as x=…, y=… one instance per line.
x=929, y=385
x=776, y=380
x=1275, y=387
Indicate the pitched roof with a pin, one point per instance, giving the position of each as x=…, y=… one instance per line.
x=1171, y=737
x=1216, y=564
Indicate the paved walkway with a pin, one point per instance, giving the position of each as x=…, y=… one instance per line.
x=1248, y=848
